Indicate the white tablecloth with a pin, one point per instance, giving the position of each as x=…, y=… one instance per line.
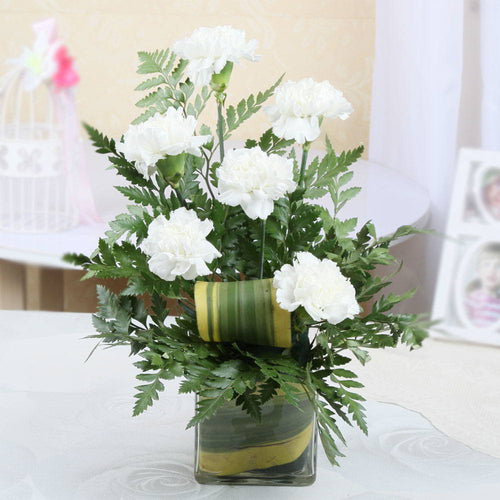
x=66, y=430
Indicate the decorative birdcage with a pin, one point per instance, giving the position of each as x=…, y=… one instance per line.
x=41, y=153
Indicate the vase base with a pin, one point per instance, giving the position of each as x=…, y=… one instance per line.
x=296, y=473
x=233, y=448
x=255, y=480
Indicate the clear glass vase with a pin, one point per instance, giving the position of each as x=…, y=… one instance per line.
x=280, y=449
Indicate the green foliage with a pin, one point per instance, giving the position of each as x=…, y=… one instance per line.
x=166, y=88
x=135, y=223
x=270, y=143
x=151, y=82
x=155, y=62
x=329, y=175
x=218, y=372
x=141, y=196
x=236, y=115
x=102, y=144
x=147, y=393
x=196, y=107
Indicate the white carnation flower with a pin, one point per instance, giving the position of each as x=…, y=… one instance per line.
x=254, y=180
x=300, y=106
x=165, y=134
x=318, y=286
x=209, y=49
x=178, y=246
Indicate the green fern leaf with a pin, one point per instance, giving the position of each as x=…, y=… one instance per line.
x=147, y=394
x=155, y=81
x=152, y=62
x=102, y=144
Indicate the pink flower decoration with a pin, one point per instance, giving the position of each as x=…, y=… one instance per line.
x=65, y=76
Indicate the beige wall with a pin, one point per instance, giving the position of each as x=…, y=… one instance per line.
x=325, y=39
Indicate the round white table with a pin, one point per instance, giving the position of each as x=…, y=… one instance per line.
x=388, y=198
x=66, y=430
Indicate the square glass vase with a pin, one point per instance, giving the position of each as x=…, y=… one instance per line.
x=232, y=447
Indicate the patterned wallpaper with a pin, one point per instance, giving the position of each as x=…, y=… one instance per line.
x=324, y=39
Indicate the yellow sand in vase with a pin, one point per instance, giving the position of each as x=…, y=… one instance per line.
x=256, y=457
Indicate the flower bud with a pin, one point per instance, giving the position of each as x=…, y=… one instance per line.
x=220, y=81
x=171, y=168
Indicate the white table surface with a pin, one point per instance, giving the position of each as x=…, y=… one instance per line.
x=66, y=430
x=388, y=198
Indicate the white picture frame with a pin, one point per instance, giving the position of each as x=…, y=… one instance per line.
x=484, y=210
x=467, y=301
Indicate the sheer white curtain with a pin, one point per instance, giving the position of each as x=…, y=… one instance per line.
x=415, y=110
x=490, y=73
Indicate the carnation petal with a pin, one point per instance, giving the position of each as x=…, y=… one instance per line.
x=254, y=180
x=300, y=105
x=258, y=207
x=165, y=134
x=318, y=286
x=161, y=264
x=207, y=51
x=178, y=246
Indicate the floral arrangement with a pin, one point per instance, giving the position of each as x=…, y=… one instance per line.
x=276, y=293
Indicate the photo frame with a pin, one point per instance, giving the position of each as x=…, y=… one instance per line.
x=467, y=298
x=475, y=202
x=487, y=177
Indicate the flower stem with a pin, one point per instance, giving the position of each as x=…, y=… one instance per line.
x=206, y=174
x=262, y=246
x=220, y=124
x=181, y=198
x=305, y=152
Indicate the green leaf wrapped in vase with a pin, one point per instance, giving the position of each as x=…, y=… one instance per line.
x=234, y=445
x=241, y=311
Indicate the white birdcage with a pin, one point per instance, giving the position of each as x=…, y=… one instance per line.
x=36, y=188
x=41, y=153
